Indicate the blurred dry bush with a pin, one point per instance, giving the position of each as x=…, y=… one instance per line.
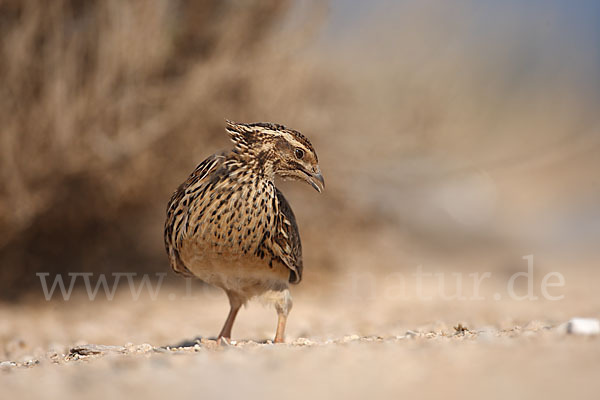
x=104, y=106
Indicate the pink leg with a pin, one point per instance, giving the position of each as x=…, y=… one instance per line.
x=283, y=305
x=235, y=303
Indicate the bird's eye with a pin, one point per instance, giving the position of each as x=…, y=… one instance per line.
x=299, y=153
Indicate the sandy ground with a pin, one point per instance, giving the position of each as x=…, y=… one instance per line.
x=339, y=344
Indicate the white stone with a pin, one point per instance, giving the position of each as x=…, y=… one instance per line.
x=302, y=342
x=583, y=326
x=143, y=348
x=7, y=364
x=350, y=338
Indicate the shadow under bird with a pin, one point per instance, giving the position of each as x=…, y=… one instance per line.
x=229, y=226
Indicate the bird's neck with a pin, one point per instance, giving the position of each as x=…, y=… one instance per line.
x=258, y=163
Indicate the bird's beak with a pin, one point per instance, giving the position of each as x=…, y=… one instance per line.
x=316, y=180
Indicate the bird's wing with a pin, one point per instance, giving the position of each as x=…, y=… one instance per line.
x=176, y=224
x=286, y=241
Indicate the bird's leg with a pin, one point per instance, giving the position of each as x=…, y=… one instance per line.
x=283, y=305
x=235, y=303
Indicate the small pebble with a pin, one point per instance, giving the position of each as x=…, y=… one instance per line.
x=583, y=326
x=161, y=350
x=302, y=342
x=6, y=365
x=30, y=363
x=142, y=348
x=350, y=338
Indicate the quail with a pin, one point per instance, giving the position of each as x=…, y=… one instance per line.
x=229, y=226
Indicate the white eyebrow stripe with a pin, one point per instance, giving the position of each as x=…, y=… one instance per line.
x=291, y=139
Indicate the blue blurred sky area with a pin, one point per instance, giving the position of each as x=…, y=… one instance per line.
x=562, y=34
x=578, y=19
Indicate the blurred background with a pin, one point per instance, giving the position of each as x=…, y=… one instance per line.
x=456, y=133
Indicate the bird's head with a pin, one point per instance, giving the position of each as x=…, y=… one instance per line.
x=288, y=152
